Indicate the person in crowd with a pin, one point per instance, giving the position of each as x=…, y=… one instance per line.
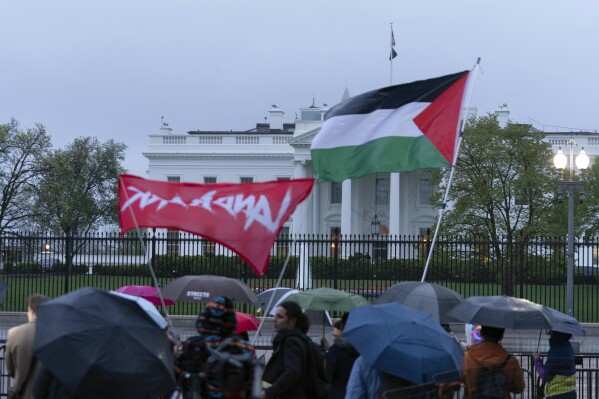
x=489, y=352
x=340, y=360
x=215, y=326
x=365, y=382
x=559, y=371
x=20, y=362
x=286, y=373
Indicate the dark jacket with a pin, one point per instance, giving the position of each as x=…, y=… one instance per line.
x=340, y=360
x=489, y=354
x=287, y=370
x=46, y=386
x=559, y=371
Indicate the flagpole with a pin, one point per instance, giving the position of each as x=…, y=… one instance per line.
x=270, y=300
x=149, y=262
x=390, y=56
x=455, y=158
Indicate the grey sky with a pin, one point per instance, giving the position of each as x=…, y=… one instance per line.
x=111, y=69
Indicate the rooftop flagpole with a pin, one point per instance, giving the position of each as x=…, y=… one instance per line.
x=471, y=81
x=392, y=54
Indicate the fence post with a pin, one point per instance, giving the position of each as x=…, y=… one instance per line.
x=68, y=260
x=336, y=258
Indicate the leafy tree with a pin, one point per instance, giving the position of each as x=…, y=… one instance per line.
x=20, y=155
x=586, y=213
x=502, y=187
x=78, y=189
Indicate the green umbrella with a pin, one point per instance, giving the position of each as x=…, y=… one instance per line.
x=328, y=299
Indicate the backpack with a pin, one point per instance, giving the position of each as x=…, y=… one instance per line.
x=491, y=382
x=318, y=387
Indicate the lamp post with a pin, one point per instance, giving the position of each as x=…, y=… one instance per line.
x=582, y=162
x=375, y=230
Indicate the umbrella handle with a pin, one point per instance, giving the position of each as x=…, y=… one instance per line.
x=539, y=343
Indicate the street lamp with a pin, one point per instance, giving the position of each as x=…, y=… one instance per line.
x=375, y=226
x=582, y=162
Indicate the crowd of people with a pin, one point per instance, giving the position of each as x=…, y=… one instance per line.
x=217, y=363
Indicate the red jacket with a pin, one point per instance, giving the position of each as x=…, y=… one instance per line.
x=488, y=354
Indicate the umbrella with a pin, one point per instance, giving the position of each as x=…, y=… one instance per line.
x=404, y=342
x=204, y=288
x=279, y=293
x=426, y=297
x=563, y=323
x=316, y=317
x=101, y=345
x=146, y=306
x=328, y=299
x=246, y=322
x=502, y=312
x=146, y=292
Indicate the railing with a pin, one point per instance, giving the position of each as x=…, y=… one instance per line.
x=534, y=269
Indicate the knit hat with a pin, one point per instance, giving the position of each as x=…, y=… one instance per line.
x=217, y=318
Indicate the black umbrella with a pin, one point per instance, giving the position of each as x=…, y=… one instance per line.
x=502, y=312
x=204, y=288
x=433, y=299
x=101, y=345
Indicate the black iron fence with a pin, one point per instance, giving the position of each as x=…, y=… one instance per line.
x=368, y=265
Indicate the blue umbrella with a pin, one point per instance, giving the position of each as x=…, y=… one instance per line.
x=561, y=322
x=404, y=342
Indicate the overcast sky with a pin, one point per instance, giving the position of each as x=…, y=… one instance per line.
x=112, y=68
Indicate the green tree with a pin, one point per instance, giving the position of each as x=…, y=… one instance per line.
x=586, y=213
x=20, y=154
x=502, y=190
x=78, y=189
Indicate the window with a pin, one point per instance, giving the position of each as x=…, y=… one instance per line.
x=336, y=193
x=382, y=192
x=172, y=242
x=174, y=179
x=425, y=192
x=335, y=241
x=283, y=242
x=209, y=179
x=283, y=178
x=208, y=247
x=246, y=179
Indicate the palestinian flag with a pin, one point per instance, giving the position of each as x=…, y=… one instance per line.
x=394, y=129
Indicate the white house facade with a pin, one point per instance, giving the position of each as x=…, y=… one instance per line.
x=276, y=150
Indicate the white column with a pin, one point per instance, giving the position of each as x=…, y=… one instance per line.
x=346, y=191
x=299, y=224
x=394, y=183
x=316, y=227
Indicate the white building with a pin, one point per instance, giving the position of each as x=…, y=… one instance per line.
x=276, y=150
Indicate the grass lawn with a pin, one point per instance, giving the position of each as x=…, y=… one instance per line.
x=586, y=300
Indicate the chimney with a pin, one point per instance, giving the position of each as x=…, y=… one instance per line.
x=275, y=118
x=503, y=115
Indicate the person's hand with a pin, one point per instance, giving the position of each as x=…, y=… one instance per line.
x=324, y=344
x=536, y=355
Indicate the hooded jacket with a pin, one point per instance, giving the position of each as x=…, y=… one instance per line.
x=559, y=371
x=486, y=354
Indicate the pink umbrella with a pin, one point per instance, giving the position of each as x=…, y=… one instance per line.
x=146, y=292
x=246, y=322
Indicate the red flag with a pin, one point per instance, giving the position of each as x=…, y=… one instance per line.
x=245, y=218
